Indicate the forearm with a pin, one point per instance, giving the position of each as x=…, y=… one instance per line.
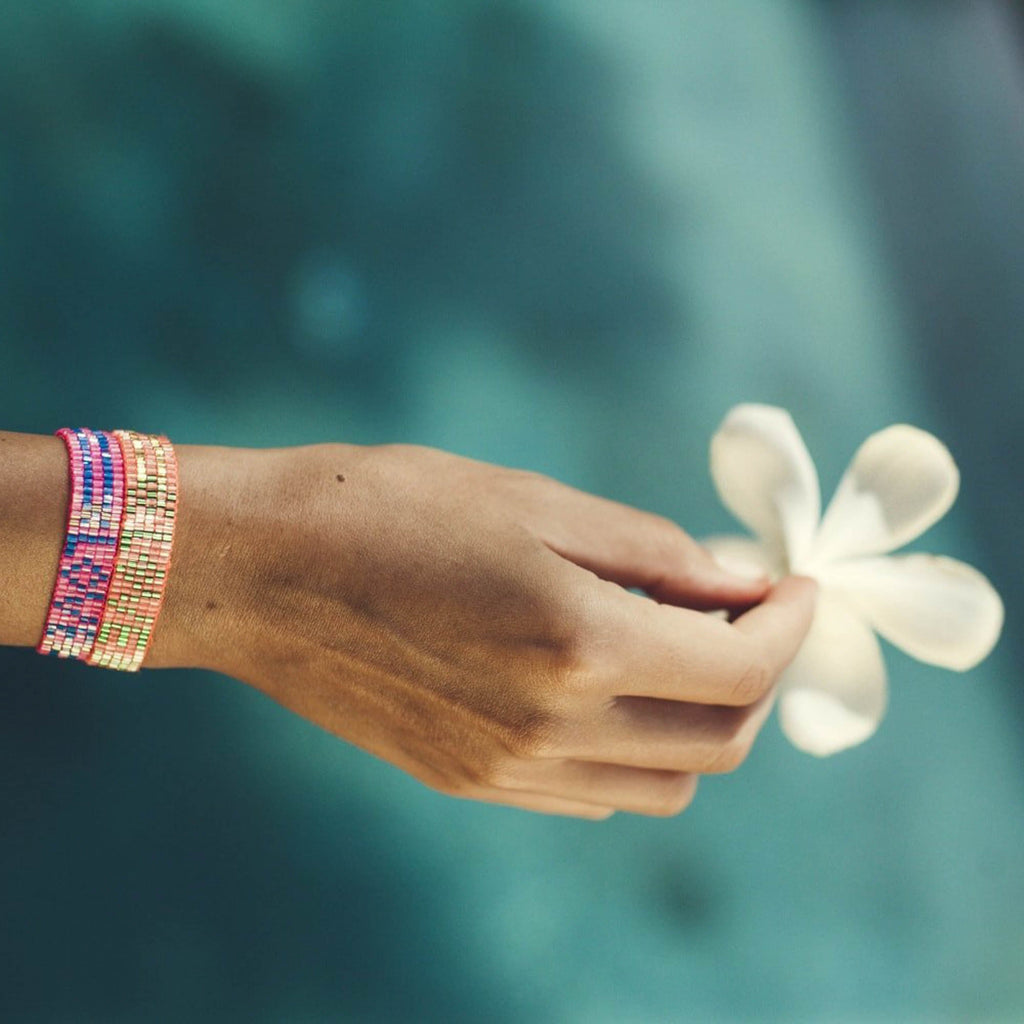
x=33, y=518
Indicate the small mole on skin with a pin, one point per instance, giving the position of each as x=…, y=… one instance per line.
x=211, y=606
x=340, y=479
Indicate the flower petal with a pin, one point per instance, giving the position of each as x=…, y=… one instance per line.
x=900, y=482
x=833, y=694
x=939, y=610
x=766, y=478
x=745, y=557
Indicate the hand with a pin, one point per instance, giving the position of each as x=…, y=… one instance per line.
x=471, y=624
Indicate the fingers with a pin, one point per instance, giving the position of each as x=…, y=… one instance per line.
x=634, y=548
x=673, y=736
x=683, y=694
x=678, y=654
x=644, y=757
x=585, y=790
x=636, y=790
x=543, y=804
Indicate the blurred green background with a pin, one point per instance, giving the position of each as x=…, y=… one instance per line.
x=559, y=234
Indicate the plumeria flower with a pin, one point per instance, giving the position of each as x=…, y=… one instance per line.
x=900, y=482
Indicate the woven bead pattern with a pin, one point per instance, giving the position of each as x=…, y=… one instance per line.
x=144, y=552
x=90, y=547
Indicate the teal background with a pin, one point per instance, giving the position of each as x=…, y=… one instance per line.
x=560, y=234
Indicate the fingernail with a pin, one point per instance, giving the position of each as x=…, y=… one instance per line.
x=736, y=568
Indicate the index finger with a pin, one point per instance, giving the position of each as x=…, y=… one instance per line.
x=678, y=654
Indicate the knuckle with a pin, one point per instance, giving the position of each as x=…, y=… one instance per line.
x=571, y=663
x=664, y=528
x=462, y=786
x=676, y=796
x=753, y=680
x=498, y=773
x=729, y=756
x=474, y=776
x=668, y=538
x=679, y=545
x=728, y=739
x=567, y=653
x=534, y=738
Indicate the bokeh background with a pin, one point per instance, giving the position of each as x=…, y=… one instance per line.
x=559, y=234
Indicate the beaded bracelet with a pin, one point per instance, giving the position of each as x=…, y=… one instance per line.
x=87, y=560
x=113, y=567
x=144, y=553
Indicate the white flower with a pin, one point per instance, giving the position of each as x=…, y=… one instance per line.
x=900, y=482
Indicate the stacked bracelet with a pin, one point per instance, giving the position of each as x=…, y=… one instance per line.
x=113, y=567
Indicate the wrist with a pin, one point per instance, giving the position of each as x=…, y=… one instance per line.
x=199, y=623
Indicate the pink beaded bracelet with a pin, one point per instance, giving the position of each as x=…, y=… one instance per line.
x=87, y=561
x=113, y=567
